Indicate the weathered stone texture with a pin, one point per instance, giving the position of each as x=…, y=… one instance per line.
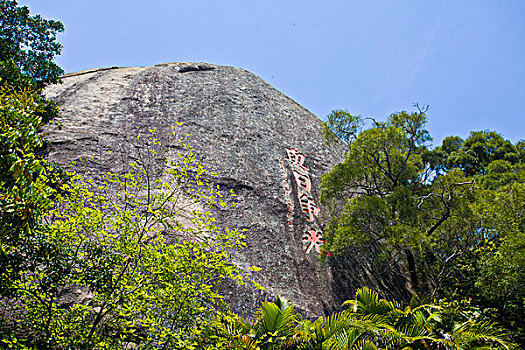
x=240, y=126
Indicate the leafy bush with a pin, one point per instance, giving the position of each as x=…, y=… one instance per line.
x=122, y=259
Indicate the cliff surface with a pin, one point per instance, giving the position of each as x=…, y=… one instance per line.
x=263, y=145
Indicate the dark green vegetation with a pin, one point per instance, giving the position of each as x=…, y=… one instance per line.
x=368, y=323
x=451, y=217
x=28, y=46
x=86, y=264
x=97, y=272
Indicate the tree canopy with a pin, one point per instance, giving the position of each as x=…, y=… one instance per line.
x=438, y=212
x=123, y=258
x=28, y=45
x=27, y=49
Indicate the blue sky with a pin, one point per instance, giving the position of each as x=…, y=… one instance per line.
x=464, y=58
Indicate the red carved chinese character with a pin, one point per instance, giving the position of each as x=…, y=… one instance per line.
x=313, y=239
x=303, y=181
x=308, y=206
x=296, y=158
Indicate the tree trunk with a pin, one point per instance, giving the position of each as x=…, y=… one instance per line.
x=412, y=269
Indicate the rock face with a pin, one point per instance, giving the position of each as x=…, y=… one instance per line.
x=263, y=145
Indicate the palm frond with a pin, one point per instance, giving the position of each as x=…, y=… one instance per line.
x=244, y=343
x=366, y=297
x=483, y=333
x=364, y=344
x=338, y=341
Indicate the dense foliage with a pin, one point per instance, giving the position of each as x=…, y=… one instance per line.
x=28, y=45
x=98, y=272
x=450, y=217
x=27, y=48
x=368, y=323
x=24, y=181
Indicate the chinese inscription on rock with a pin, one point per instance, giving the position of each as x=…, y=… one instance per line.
x=313, y=237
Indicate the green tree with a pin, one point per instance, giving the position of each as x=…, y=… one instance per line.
x=126, y=258
x=489, y=272
x=449, y=215
x=473, y=155
x=27, y=181
x=28, y=45
x=490, y=275
x=27, y=48
x=384, y=195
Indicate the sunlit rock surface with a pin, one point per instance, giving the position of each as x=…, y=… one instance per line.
x=263, y=145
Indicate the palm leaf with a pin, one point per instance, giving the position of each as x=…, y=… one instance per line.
x=277, y=318
x=483, y=333
x=366, y=297
x=364, y=344
x=244, y=343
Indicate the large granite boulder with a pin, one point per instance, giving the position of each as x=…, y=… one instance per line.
x=263, y=145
